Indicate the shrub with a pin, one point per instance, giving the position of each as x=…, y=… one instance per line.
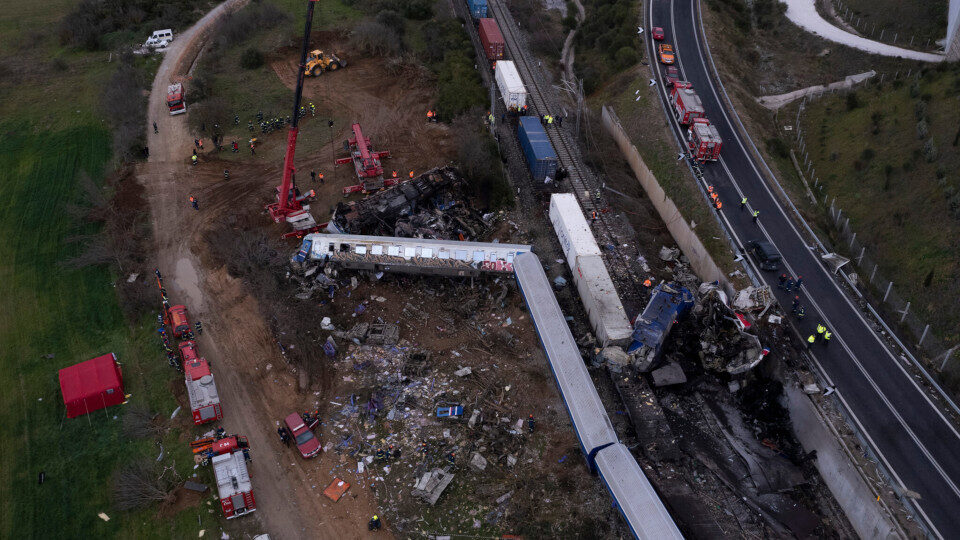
x=373, y=38
x=920, y=110
x=778, y=148
x=626, y=57
x=251, y=59
x=125, y=108
x=922, y=129
x=930, y=152
x=853, y=101
x=867, y=154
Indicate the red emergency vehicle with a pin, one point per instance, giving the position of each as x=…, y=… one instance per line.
x=703, y=140
x=233, y=479
x=686, y=103
x=178, y=321
x=188, y=351
x=176, y=101
x=202, y=391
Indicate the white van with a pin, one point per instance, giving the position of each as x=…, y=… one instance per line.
x=159, y=39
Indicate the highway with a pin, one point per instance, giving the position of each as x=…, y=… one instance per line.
x=915, y=442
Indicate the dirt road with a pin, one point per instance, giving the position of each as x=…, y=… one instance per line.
x=254, y=384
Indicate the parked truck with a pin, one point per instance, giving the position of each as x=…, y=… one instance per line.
x=175, y=99
x=510, y=84
x=233, y=479
x=178, y=321
x=686, y=103
x=202, y=392
x=703, y=140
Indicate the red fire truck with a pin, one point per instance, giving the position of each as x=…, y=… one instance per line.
x=233, y=478
x=202, y=392
x=703, y=140
x=686, y=103
x=178, y=321
x=175, y=99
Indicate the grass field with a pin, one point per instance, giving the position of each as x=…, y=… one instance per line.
x=901, y=202
x=920, y=19
x=47, y=309
x=50, y=132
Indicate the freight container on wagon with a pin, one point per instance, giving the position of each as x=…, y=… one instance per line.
x=511, y=87
x=478, y=8
x=607, y=316
x=491, y=39
x=541, y=158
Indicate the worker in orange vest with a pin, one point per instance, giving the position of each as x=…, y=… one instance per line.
x=394, y=174
x=429, y=115
x=647, y=282
x=411, y=174
x=194, y=203
x=320, y=177
x=719, y=205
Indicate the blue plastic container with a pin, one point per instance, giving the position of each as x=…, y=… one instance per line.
x=478, y=8
x=541, y=159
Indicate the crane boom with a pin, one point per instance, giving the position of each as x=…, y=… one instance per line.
x=287, y=202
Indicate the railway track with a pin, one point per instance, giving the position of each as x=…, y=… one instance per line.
x=584, y=185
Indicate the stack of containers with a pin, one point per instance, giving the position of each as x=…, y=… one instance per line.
x=492, y=39
x=541, y=159
x=478, y=8
x=597, y=292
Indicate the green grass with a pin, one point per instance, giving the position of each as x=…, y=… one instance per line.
x=51, y=131
x=871, y=159
x=46, y=308
x=923, y=19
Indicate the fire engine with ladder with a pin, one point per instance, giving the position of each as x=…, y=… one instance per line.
x=366, y=163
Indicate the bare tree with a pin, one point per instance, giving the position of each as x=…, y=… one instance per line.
x=140, y=423
x=141, y=483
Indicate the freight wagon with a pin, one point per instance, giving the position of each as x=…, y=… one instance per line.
x=491, y=39
x=478, y=8
x=511, y=87
x=541, y=159
x=607, y=316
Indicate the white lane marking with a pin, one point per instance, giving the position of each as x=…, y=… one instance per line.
x=779, y=209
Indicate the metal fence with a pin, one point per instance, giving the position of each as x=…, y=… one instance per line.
x=872, y=31
x=893, y=307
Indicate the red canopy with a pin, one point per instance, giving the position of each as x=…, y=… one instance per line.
x=91, y=385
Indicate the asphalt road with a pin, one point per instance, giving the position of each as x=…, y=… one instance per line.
x=915, y=442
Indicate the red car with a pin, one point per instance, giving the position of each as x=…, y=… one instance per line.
x=673, y=75
x=307, y=442
x=658, y=33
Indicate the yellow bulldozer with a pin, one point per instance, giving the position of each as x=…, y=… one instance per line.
x=318, y=62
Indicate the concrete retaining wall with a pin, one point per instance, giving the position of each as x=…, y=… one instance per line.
x=858, y=501
x=688, y=242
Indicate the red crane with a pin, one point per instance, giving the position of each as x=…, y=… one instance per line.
x=367, y=164
x=288, y=206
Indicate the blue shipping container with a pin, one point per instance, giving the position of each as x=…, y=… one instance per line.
x=541, y=159
x=478, y=8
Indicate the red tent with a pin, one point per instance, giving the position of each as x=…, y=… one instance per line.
x=91, y=385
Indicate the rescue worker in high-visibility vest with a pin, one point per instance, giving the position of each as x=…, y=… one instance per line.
x=811, y=340
x=394, y=174
x=756, y=216
x=411, y=174
x=826, y=337
x=193, y=159
x=743, y=203
x=820, y=330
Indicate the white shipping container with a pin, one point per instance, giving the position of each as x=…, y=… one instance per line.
x=599, y=296
x=510, y=84
x=573, y=231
